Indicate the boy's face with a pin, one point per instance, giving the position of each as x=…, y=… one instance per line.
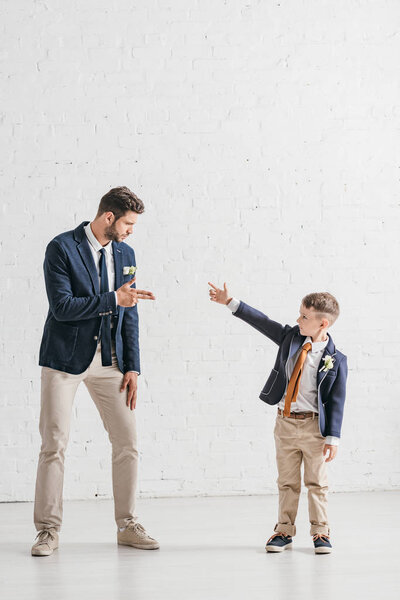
x=309, y=322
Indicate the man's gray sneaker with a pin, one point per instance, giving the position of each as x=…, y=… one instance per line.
x=47, y=542
x=135, y=535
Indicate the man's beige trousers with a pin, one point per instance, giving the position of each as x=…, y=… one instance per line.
x=57, y=397
x=300, y=441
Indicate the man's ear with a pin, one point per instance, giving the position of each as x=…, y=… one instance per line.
x=110, y=217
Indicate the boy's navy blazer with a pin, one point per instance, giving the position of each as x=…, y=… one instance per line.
x=331, y=385
x=76, y=306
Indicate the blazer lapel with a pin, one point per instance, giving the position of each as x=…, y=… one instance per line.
x=87, y=258
x=296, y=343
x=331, y=351
x=86, y=255
x=117, y=265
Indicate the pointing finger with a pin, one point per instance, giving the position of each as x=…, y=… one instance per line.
x=144, y=295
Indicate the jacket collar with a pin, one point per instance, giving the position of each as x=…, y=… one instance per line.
x=86, y=255
x=296, y=342
x=79, y=232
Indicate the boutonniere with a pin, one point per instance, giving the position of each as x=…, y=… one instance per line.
x=129, y=270
x=328, y=363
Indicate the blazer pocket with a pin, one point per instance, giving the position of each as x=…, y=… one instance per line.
x=270, y=382
x=62, y=341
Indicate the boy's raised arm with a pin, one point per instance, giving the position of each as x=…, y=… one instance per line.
x=273, y=330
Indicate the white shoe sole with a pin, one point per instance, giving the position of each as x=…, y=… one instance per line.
x=322, y=550
x=140, y=546
x=43, y=552
x=278, y=548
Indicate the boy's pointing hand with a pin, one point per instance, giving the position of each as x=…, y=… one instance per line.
x=218, y=295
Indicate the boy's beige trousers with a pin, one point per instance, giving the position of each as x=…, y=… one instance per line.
x=297, y=441
x=57, y=395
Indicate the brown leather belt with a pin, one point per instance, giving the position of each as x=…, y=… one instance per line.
x=303, y=415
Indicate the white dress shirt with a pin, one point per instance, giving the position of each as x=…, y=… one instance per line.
x=95, y=248
x=307, y=397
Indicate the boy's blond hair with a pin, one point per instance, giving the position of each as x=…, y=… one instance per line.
x=323, y=303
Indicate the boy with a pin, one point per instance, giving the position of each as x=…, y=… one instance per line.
x=308, y=383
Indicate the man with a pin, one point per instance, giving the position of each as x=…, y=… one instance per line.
x=91, y=335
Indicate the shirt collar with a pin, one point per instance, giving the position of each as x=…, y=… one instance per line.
x=94, y=242
x=316, y=346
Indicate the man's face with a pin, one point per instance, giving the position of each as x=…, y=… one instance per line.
x=309, y=322
x=119, y=230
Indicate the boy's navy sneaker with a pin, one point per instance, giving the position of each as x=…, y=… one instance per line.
x=278, y=542
x=322, y=544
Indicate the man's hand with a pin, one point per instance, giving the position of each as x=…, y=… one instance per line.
x=331, y=451
x=220, y=296
x=130, y=380
x=127, y=296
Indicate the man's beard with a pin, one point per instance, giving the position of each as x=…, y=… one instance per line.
x=112, y=234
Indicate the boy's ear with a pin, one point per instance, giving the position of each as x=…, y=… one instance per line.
x=324, y=323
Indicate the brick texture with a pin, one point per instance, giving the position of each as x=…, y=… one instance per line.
x=263, y=138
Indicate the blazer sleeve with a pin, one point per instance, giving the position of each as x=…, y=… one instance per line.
x=273, y=330
x=63, y=304
x=334, y=407
x=130, y=334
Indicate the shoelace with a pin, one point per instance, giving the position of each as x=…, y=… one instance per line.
x=277, y=534
x=44, y=535
x=139, y=529
x=320, y=536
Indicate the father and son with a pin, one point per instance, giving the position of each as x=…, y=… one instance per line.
x=91, y=335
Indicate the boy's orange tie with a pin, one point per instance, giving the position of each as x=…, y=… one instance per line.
x=293, y=387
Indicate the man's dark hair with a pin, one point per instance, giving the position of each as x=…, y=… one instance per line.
x=118, y=201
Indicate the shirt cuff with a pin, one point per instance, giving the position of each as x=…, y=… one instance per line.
x=116, y=298
x=137, y=372
x=332, y=440
x=233, y=305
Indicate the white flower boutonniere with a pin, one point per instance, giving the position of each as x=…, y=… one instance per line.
x=328, y=363
x=129, y=270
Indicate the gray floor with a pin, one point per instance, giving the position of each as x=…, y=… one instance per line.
x=211, y=548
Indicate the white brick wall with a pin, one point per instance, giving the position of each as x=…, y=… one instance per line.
x=263, y=138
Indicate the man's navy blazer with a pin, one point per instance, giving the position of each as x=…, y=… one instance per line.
x=331, y=384
x=76, y=306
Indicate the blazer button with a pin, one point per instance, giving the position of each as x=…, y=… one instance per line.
x=95, y=337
